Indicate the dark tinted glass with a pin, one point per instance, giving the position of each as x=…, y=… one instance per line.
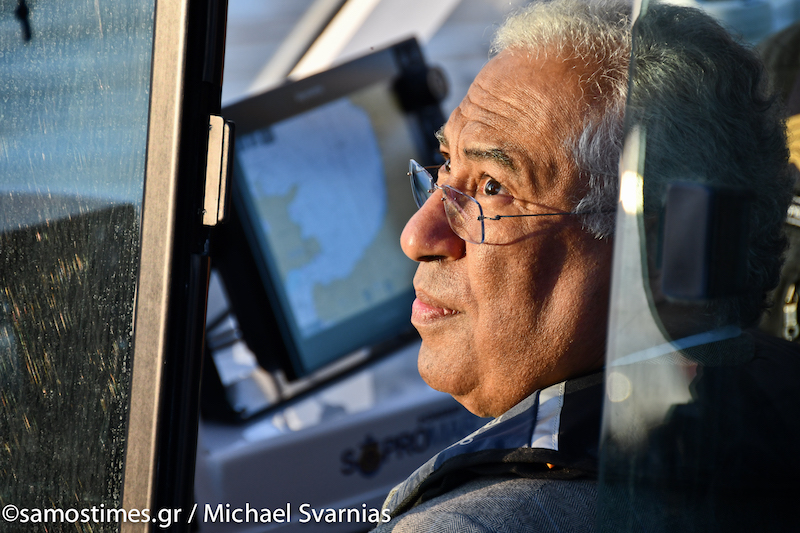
x=698, y=403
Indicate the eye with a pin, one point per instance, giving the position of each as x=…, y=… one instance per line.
x=446, y=166
x=492, y=187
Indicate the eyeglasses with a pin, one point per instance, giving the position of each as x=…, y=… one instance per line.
x=464, y=213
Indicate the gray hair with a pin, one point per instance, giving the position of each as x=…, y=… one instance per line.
x=596, y=33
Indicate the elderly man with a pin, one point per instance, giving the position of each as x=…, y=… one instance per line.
x=513, y=243
x=512, y=237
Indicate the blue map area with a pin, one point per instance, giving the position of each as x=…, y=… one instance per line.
x=328, y=165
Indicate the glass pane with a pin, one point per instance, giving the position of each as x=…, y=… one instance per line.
x=263, y=36
x=74, y=116
x=257, y=31
x=700, y=425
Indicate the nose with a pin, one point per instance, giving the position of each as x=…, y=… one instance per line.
x=428, y=236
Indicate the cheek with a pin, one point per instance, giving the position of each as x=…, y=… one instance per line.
x=510, y=296
x=511, y=288
x=528, y=309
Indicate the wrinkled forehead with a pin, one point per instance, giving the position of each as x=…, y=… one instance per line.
x=529, y=109
x=519, y=97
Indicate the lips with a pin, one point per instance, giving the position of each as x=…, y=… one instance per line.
x=426, y=310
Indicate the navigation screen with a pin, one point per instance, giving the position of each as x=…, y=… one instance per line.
x=329, y=194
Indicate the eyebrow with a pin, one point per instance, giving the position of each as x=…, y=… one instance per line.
x=492, y=154
x=497, y=155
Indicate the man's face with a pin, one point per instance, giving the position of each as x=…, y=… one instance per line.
x=499, y=321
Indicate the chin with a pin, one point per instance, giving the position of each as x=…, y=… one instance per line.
x=475, y=408
x=444, y=374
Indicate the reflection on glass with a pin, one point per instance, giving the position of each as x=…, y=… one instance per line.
x=700, y=429
x=74, y=115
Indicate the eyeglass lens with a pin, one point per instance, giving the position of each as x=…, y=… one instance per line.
x=421, y=183
x=464, y=213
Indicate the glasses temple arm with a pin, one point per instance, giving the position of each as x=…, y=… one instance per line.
x=498, y=217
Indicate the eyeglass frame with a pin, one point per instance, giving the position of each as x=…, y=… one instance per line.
x=412, y=172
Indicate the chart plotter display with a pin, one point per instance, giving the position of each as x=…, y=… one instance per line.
x=321, y=187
